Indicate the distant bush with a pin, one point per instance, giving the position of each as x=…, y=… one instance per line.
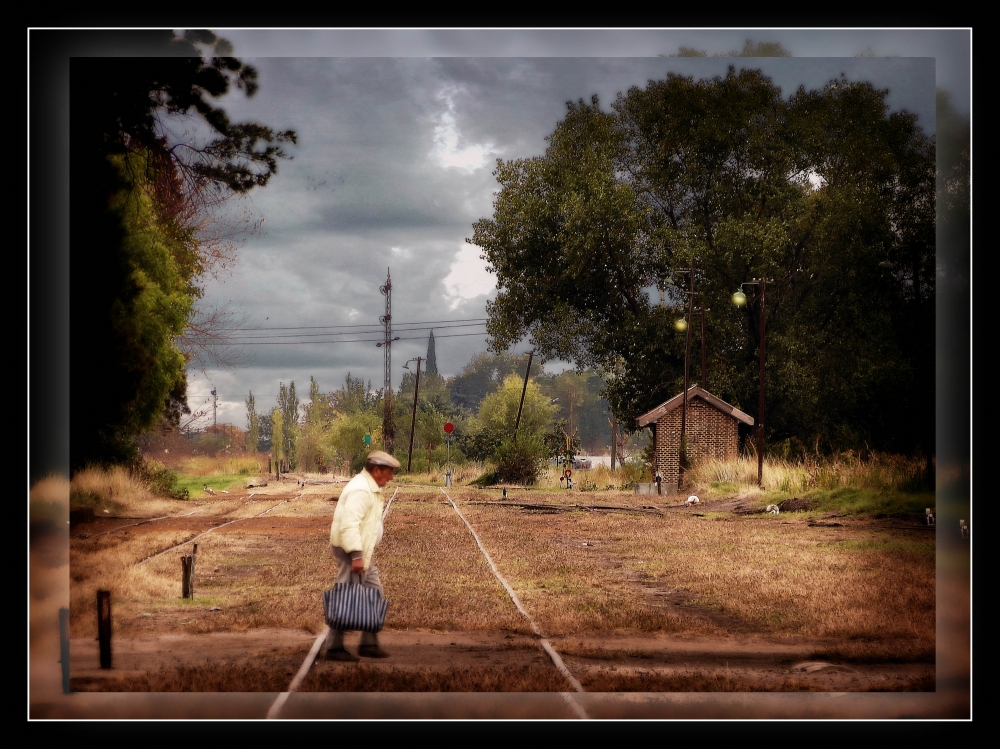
x=634, y=471
x=161, y=480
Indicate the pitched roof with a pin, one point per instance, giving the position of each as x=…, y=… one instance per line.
x=693, y=392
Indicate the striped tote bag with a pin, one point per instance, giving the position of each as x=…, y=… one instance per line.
x=350, y=606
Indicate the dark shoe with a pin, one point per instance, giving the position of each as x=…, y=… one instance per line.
x=341, y=654
x=372, y=651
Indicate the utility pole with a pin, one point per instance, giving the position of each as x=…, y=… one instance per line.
x=614, y=439
x=215, y=409
x=524, y=389
x=739, y=299
x=704, y=368
x=760, y=410
x=413, y=423
x=684, y=402
x=388, y=416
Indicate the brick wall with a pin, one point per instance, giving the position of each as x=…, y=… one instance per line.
x=710, y=433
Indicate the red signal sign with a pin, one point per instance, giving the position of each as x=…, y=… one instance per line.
x=449, y=427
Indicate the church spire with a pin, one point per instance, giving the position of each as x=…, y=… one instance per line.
x=432, y=367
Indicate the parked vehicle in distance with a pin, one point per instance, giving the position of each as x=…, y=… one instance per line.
x=579, y=463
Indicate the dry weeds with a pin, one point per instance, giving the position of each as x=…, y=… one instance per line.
x=876, y=471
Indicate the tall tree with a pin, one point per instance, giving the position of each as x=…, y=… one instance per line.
x=278, y=454
x=824, y=194
x=354, y=396
x=127, y=369
x=253, y=424
x=288, y=405
x=484, y=374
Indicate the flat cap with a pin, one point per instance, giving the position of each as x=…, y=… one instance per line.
x=380, y=458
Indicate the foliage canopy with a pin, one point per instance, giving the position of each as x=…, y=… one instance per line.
x=825, y=194
x=150, y=153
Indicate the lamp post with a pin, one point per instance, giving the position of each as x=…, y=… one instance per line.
x=683, y=327
x=739, y=299
x=413, y=422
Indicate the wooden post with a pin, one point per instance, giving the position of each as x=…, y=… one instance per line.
x=760, y=408
x=64, y=647
x=186, y=577
x=194, y=558
x=104, y=626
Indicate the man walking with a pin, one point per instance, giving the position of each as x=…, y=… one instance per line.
x=356, y=531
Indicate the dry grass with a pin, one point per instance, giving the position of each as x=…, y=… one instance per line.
x=460, y=474
x=271, y=571
x=723, y=577
x=849, y=651
x=673, y=573
x=697, y=680
x=48, y=504
x=434, y=574
x=224, y=465
x=267, y=676
x=876, y=471
x=361, y=678
x=261, y=676
x=146, y=594
x=116, y=489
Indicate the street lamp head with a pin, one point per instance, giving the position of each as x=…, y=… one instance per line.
x=680, y=325
x=739, y=298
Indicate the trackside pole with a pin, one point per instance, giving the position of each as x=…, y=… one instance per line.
x=64, y=647
x=104, y=626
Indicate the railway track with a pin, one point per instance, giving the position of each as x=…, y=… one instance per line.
x=546, y=646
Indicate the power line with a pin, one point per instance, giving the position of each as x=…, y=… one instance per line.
x=360, y=325
x=356, y=340
x=349, y=332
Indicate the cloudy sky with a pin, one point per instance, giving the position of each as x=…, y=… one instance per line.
x=399, y=132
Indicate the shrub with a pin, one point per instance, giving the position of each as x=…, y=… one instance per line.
x=520, y=461
x=161, y=480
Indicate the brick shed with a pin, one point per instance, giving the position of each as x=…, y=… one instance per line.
x=712, y=431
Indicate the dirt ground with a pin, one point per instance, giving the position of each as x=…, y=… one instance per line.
x=266, y=660
x=215, y=648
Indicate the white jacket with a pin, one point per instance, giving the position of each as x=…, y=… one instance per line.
x=357, y=521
